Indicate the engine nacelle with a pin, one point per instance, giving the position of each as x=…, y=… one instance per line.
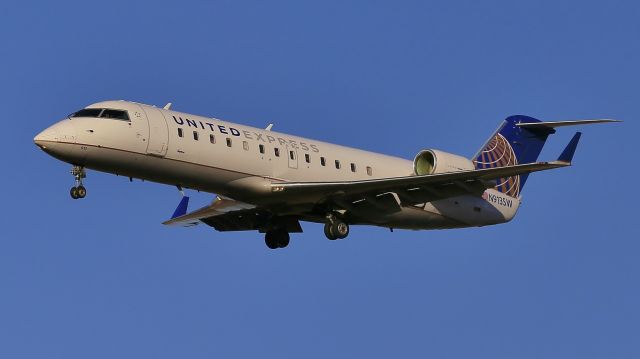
x=429, y=162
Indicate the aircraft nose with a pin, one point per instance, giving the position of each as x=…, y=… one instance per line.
x=62, y=131
x=48, y=135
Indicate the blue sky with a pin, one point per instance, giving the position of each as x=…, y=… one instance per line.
x=102, y=278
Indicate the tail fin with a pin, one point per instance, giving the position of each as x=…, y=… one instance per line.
x=512, y=145
x=519, y=140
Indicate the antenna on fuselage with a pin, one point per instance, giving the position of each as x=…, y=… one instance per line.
x=269, y=127
x=167, y=106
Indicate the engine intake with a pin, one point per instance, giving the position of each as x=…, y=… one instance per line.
x=429, y=162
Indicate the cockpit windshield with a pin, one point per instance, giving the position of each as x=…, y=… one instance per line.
x=88, y=112
x=102, y=113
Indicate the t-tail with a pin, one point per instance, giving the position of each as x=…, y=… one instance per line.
x=519, y=140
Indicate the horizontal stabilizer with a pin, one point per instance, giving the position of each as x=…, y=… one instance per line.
x=567, y=154
x=554, y=124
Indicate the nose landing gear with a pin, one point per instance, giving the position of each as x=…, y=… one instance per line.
x=78, y=191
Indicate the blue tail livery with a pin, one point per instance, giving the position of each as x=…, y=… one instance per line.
x=519, y=140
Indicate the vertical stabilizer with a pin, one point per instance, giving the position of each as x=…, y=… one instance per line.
x=512, y=145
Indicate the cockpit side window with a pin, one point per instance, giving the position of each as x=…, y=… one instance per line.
x=88, y=112
x=115, y=114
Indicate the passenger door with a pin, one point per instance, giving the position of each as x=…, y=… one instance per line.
x=158, y=132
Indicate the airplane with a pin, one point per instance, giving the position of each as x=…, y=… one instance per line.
x=269, y=182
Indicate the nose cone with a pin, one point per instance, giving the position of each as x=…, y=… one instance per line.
x=60, y=142
x=62, y=131
x=48, y=135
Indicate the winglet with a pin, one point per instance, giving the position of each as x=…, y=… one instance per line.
x=181, y=210
x=269, y=127
x=567, y=154
x=167, y=106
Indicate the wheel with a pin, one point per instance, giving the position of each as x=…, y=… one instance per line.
x=82, y=192
x=340, y=229
x=283, y=239
x=276, y=239
x=271, y=240
x=74, y=193
x=329, y=233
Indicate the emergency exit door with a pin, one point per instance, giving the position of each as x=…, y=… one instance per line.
x=292, y=155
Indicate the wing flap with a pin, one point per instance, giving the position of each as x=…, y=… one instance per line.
x=382, y=204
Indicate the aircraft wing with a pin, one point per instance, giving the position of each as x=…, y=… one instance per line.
x=225, y=214
x=414, y=189
x=419, y=189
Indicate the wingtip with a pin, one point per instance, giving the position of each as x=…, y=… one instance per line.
x=567, y=155
x=608, y=120
x=181, y=210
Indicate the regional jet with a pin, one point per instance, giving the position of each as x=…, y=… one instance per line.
x=269, y=182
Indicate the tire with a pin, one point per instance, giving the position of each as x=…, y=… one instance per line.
x=340, y=229
x=82, y=192
x=74, y=193
x=328, y=233
x=271, y=240
x=283, y=239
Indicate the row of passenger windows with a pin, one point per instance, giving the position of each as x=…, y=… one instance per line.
x=276, y=151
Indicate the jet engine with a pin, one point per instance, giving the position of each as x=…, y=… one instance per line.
x=429, y=162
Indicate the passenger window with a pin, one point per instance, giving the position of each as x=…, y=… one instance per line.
x=261, y=147
x=338, y=164
x=212, y=138
x=245, y=145
x=180, y=134
x=353, y=167
x=115, y=114
x=292, y=155
x=229, y=142
x=369, y=171
x=307, y=158
x=276, y=151
x=195, y=135
x=323, y=161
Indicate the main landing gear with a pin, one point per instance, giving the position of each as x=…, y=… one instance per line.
x=276, y=238
x=78, y=191
x=335, y=228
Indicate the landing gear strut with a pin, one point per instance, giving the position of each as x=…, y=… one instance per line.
x=335, y=228
x=276, y=238
x=78, y=191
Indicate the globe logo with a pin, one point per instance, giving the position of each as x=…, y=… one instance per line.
x=499, y=153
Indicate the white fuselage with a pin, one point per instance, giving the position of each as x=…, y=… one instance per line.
x=242, y=162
